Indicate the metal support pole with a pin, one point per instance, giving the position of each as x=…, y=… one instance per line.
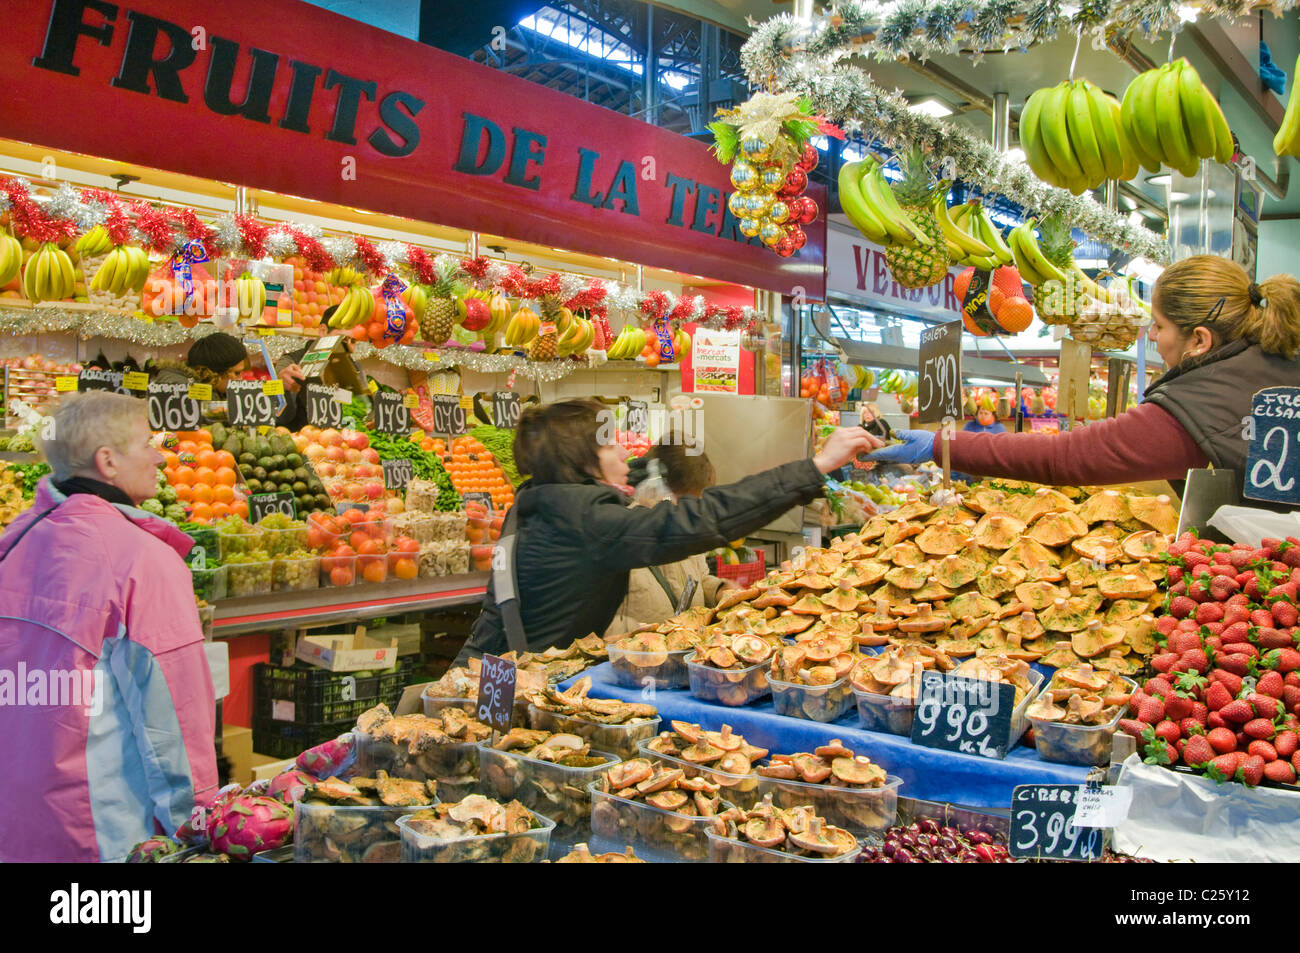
x=803, y=10
x=471, y=245
x=651, y=103
x=1001, y=122
x=1112, y=195
x=241, y=200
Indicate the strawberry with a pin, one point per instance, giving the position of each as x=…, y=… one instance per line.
x=1243, y=740
x=1295, y=576
x=1209, y=612
x=1166, y=625
x=1164, y=661
x=1180, y=607
x=1212, y=629
x=1295, y=761
x=1240, y=558
x=1270, y=683
x=1136, y=699
x=1286, y=590
x=1266, y=706
x=1286, y=661
x=1158, y=686
x=1290, y=697
x=1153, y=711
x=1291, y=678
x=1230, y=681
x=1250, y=585
x=1195, y=558
x=1224, y=766
x=1198, y=750
x=1237, y=632
x=1182, y=641
x=1235, y=612
x=1196, y=659
x=1222, y=739
x=1236, y=663
x=1189, y=625
x=1178, y=707
x=1174, y=574
x=1200, y=712
x=1286, y=614
x=1131, y=726
x=1251, y=771
x=1216, y=696
x=1257, y=728
x=1169, y=731
x=1262, y=749
x=1270, y=638
x=1237, y=710
x=1189, y=727
x=1199, y=591
x=1247, y=650
x=1261, y=617
x=1223, y=587
x=1280, y=772
x=1215, y=720
x=1178, y=588
x=1286, y=743
x=1214, y=642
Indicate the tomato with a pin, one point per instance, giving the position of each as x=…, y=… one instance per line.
x=341, y=576
x=376, y=571
x=406, y=569
x=358, y=539
x=354, y=516
x=404, y=544
x=369, y=547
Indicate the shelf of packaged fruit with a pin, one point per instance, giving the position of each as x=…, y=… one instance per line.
x=346, y=603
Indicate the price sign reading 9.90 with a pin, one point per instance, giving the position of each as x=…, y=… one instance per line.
x=939, y=371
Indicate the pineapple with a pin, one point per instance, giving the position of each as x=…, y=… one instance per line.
x=440, y=313
x=1058, y=305
x=917, y=266
x=546, y=344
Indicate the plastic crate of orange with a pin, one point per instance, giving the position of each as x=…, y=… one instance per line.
x=473, y=469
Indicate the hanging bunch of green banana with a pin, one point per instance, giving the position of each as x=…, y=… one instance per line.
x=902, y=383
x=1171, y=118
x=971, y=237
x=1073, y=137
x=1287, y=140
x=871, y=206
x=11, y=257
x=94, y=243
x=124, y=271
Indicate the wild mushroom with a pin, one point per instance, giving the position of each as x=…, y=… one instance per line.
x=668, y=800
x=833, y=749
x=702, y=752
x=1081, y=676
x=858, y=771
x=724, y=740
x=824, y=840
x=842, y=664
x=751, y=649
x=1045, y=708
x=812, y=769
x=1083, y=709
x=629, y=774
x=662, y=779
x=720, y=657
x=734, y=762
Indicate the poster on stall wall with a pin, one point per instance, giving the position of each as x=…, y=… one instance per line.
x=716, y=361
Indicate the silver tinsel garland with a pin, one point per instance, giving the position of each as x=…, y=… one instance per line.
x=280, y=244
x=413, y=359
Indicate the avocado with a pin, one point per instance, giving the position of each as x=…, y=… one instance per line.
x=305, y=501
x=293, y=461
x=299, y=487
x=259, y=473
x=323, y=501
x=254, y=486
x=219, y=435
x=247, y=459
x=265, y=463
x=277, y=462
x=270, y=487
x=300, y=473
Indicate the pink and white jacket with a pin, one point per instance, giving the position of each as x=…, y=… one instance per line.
x=107, y=712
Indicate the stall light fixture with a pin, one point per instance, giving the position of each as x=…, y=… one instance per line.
x=1136, y=218
x=1179, y=196
x=1163, y=178
x=930, y=107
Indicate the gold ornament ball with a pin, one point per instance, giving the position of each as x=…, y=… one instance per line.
x=760, y=201
x=755, y=149
x=772, y=177
x=779, y=212
x=744, y=176
x=770, y=234
x=739, y=203
x=749, y=227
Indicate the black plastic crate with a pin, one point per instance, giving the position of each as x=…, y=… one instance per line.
x=284, y=739
x=322, y=697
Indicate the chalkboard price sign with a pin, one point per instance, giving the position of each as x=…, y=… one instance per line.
x=496, y=692
x=969, y=715
x=1042, y=824
x=247, y=405
x=264, y=504
x=638, y=417
x=448, y=415
x=390, y=416
x=397, y=473
x=172, y=408
x=506, y=409
x=92, y=378
x=323, y=410
x=1273, y=460
x=939, y=369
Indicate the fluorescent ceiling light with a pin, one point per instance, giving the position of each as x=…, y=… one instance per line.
x=930, y=107
x=1179, y=196
x=1162, y=179
x=984, y=382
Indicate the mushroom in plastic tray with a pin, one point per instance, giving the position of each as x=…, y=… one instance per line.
x=809, y=679
x=721, y=757
x=548, y=772
x=607, y=723
x=581, y=854
x=458, y=688
x=442, y=748
x=886, y=685
x=658, y=805
x=658, y=654
x=355, y=821
x=768, y=834
x=1075, y=716
x=475, y=829
x=730, y=669
x=848, y=789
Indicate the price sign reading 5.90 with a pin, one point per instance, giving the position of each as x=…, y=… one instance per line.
x=1042, y=824
x=939, y=385
x=247, y=405
x=171, y=407
x=323, y=409
x=391, y=417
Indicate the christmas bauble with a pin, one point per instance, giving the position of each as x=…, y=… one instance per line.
x=770, y=233
x=749, y=227
x=797, y=236
x=744, y=176
x=808, y=157
x=755, y=149
x=785, y=247
x=807, y=210
x=760, y=201
x=796, y=180
x=779, y=212
x=739, y=204
x=772, y=177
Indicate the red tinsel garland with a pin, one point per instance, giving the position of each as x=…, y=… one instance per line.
x=684, y=310
x=312, y=251
x=515, y=282
x=370, y=257
x=252, y=235
x=654, y=305
x=421, y=263
x=476, y=268
x=196, y=229
x=29, y=219
x=157, y=227
x=588, y=298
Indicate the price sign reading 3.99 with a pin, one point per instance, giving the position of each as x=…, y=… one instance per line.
x=939, y=385
x=1042, y=824
x=323, y=409
x=247, y=405
x=391, y=417
x=172, y=408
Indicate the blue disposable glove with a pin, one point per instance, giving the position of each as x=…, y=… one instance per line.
x=917, y=447
x=1274, y=78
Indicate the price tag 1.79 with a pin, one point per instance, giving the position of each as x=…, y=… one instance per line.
x=968, y=715
x=247, y=406
x=1272, y=464
x=496, y=692
x=506, y=409
x=1042, y=824
x=323, y=410
x=448, y=415
x=264, y=504
x=939, y=372
x=172, y=408
x=398, y=473
x=390, y=416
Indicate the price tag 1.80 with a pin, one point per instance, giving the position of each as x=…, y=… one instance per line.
x=1042, y=824
x=496, y=692
x=398, y=473
x=448, y=415
x=506, y=409
x=390, y=416
x=1272, y=464
x=939, y=384
x=968, y=715
x=247, y=405
x=264, y=504
x=172, y=408
x=323, y=410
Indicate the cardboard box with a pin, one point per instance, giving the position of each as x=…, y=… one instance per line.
x=265, y=767
x=347, y=653
x=237, y=745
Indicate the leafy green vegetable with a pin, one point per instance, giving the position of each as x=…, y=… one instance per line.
x=425, y=466
x=31, y=474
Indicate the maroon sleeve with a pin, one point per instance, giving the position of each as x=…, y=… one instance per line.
x=1145, y=443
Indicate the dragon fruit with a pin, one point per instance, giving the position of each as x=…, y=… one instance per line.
x=331, y=758
x=153, y=850
x=288, y=786
x=249, y=824
x=203, y=816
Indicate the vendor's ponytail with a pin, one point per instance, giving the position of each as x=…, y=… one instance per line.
x=1217, y=294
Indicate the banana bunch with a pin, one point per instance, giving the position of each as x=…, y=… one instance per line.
x=499, y=307
x=416, y=297
x=580, y=335
x=357, y=306
x=871, y=206
x=902, y=383
x=48, y=275
x=124, y=271
x=94, y=243
x=250, y=296
x=629, y=343
x=522, y=328
x=1170, y=117
x=1287, y=140
x=11, y=257
x=971, y=237
x=1074, y=139
x=345, y=277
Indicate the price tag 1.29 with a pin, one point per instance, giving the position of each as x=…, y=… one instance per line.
x=496, y=692
x=398, y=473
x=506, y=409
x=1042, y=824
x=939, y=372
x=264, y=504
x=1272, y=464
x=247, y=405
x=968, y=715
x=172, y=408
x=390, y=416
x=323, y=410
x=448, y=415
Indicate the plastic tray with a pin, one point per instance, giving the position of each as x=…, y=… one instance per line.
x=812, y=702
x=1088, y=745
x=860, y=810
x=248, y=579
x=229, y=544
x=618, y=820
x=293, y=575
x=742, y=790
x=527, y=848
x=329, y=563
x=724, y=850
x=732, y=687
x=454, y=766
x=210, y=583
x=646, y=669
x=334, y=833
x=555, y=790
x=435, y=705
x=616, y=739
x=884, y=713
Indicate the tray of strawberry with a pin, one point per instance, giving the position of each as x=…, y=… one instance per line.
x=1225, y=699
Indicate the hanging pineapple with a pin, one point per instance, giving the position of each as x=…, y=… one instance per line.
x=440, y=312
x=918, y=266
x=545, y=346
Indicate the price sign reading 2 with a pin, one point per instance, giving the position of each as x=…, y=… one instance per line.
x=496, y=692
x=1272, y=469
x=939, y=373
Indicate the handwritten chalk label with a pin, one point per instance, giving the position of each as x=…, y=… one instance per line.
x=264, y=504
x=391, y=417
x=967, y=715
x=247, y=405
x=638, y=417
x=92, y=378
x=506, y=409
x=448, y=415
x=398, y=473
x=939, y=371
x=1043, y=825
x=172, y=408
x=323, y=407
x=496, y=692
x=1273, y=460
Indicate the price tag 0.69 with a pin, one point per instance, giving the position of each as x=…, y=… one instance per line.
x=247, y=406
x=448, y=415
x=322, y=409
x=638, y=417
x=264, y=504
x=968, y=715
x=390, y=416
x=1042, y=824
x=398, y=473
x=172, y=408
x=496, y=692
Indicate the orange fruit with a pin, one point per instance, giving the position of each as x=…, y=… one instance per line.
x=239, y=508
x=200, y=512
x=185, y=477
x=220, y=510
x=171, y=461
x=227, y=476
x=187, y=446
x=406, y=569
x=224, y=459
x=205, y=475
x=204, y=437
x=202, y=493
x=223, y=493
x=207, y=458
x=185, y=494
